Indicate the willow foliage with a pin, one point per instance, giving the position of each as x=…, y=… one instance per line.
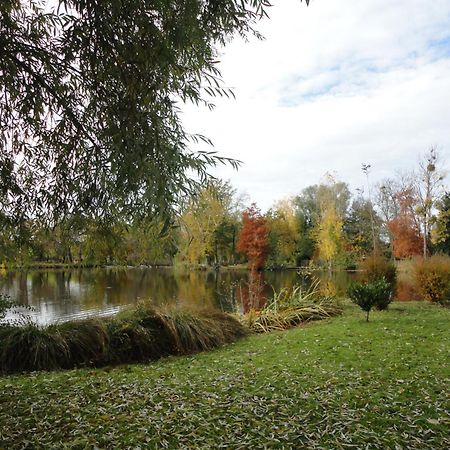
x=90, y=93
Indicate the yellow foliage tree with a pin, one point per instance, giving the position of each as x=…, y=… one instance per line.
x=329, y=233
x=200, y=221
x=284, y=229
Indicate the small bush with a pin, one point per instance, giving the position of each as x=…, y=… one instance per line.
x=379, y=268
x=369, y=295
x=432, y=278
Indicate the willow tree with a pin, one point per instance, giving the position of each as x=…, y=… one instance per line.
x=90, y=95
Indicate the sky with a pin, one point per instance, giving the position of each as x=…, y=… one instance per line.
x=332, y=86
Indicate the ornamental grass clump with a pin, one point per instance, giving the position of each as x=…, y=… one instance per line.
x=30, y=347
x=432, y=278
x=372, y=294
x=291, y=307
x=138, y=335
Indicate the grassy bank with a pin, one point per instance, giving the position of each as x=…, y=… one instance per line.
x=339, y=383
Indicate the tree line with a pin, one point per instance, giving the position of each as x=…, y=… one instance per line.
x=326, y=223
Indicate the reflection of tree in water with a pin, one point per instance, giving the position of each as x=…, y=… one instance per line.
x=196, y=288
x=23, y=297
x=63, y=294
x=253, y=294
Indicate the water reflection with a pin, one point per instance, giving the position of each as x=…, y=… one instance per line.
x=67, y=294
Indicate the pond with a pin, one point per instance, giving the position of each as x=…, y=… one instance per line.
x=57, y=295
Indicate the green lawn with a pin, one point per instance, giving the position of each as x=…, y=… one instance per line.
x=340, y=383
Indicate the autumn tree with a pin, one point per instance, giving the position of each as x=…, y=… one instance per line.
x=387, y=204
x=284, y=230
x=329, y=234
x=208, y=225
x=405, y=227
x=309, y=206
x=253, y=238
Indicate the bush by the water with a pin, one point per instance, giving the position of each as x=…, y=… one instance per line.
x=432, y=277
x=291, y=307
x=136, y=335
x=371, y=294
x=378, y=267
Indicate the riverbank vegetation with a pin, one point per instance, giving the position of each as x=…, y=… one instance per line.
x=336, y=383
x=134, y=335
x=146, y=333
x=291, y=307
x=325, y=224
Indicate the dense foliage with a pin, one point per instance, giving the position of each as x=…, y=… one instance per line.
x=253, y=238
x=377, y=267
x=442, y=228
x=90, y=99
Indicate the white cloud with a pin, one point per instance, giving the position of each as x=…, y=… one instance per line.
x=332, y=86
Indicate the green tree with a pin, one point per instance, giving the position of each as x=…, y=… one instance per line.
x=310, y=206
x=146, y=242
x=90, y=98
x=359, y=225
x=441, y=231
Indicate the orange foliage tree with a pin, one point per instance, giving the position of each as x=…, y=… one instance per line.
x=253, y=239
x=405, y=228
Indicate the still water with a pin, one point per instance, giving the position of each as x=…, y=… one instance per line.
x=58, y=295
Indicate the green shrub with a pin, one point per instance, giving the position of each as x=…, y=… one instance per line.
x=432, y=278
x=377, y=268
x=372, y=294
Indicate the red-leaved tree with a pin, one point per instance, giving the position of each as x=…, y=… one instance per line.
x=405, y=227
x=253, y=239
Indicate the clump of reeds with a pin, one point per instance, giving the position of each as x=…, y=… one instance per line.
x=142, y=334
x=291, y=307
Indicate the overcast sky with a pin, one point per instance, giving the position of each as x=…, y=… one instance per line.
x=333, y=85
